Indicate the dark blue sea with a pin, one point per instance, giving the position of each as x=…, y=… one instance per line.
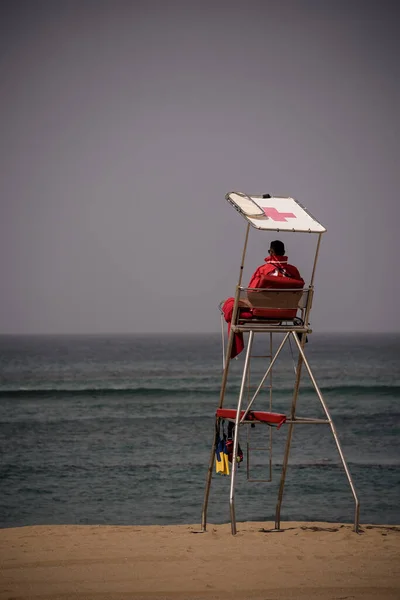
x=118, y=430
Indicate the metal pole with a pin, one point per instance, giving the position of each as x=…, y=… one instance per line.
x=236, y=435
x=270, y=409
x=239, y=283
x=234, y=315
x=335, y=435
x=223, y=386
x=212, y=453
x=289, y=438
x=315, y=259
x=244, y=253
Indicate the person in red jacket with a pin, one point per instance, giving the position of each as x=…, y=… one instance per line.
x=276, y=265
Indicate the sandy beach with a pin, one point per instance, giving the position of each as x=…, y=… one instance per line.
x=303, y=561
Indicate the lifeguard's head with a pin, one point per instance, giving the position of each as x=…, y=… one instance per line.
x=277, y=248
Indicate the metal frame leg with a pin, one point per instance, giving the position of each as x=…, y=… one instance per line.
x=208, y=484
x=289, y=436
x=335, y=436
x=212, y=453
x=236, y=435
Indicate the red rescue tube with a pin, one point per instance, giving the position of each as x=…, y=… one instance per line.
x=253, y=415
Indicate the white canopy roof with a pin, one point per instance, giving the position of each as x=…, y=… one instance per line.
x=274, y=213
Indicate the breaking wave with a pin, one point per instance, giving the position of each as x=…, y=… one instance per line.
x=192, y=389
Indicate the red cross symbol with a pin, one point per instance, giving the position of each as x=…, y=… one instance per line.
x=275, y=215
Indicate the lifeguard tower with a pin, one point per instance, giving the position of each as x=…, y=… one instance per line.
x=270, y=310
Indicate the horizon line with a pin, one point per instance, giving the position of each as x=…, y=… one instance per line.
x=202, y=333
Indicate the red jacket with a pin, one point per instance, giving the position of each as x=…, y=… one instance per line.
x=275, y=266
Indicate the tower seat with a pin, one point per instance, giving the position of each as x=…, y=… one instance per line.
x=280, y=302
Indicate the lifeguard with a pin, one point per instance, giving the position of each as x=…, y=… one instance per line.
x=276, y=265
x=275, y=273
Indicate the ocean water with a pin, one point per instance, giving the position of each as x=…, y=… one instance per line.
x=118, y=430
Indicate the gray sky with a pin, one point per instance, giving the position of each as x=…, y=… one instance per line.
x=124, y=124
